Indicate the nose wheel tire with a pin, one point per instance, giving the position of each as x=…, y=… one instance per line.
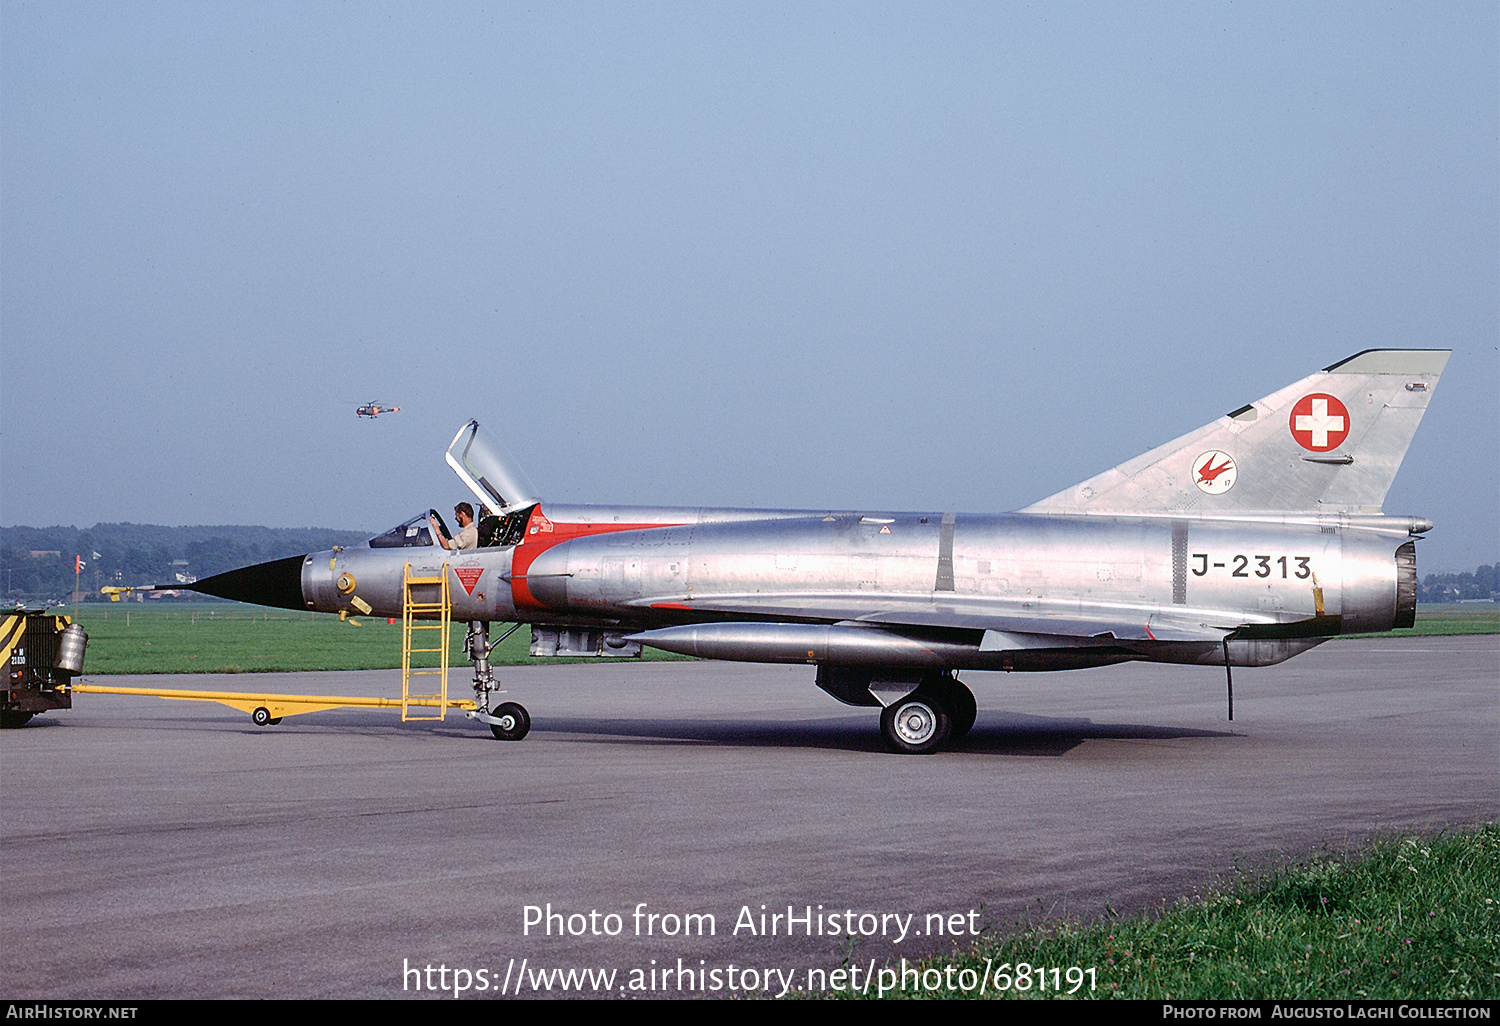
x=515, y=722
x=916, y=725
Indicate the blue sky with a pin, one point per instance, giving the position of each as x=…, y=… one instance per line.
x=849, y=255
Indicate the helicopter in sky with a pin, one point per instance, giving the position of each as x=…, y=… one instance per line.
x=373, y=409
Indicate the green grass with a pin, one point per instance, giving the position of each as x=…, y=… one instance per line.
x=211, y=637
x=1409, y=919
x=1440, y=620
x=202, y=637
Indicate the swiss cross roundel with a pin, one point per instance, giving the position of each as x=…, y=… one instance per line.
x=1319, y=422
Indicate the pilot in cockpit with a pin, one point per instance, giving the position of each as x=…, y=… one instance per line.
x=468, y=533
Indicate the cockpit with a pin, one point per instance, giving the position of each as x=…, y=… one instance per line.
x=506, y=496
x=494, y=531
x=413, y=533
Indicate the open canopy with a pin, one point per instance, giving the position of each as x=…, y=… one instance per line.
x=489, y=470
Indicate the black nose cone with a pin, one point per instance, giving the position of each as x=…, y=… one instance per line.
x=277, y=583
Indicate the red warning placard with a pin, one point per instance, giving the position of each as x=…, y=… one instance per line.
x=469, y=576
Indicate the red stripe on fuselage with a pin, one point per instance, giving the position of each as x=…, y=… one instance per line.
x=542, y=534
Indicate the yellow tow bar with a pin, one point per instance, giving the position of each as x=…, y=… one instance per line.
x=268, y=709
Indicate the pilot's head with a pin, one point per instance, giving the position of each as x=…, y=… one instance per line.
x=464, y=514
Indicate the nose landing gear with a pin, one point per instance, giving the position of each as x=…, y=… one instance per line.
x=509, y=721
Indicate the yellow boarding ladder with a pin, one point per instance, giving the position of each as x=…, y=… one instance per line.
x=424, y=595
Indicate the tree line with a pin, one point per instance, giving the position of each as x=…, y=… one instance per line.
x=1483, y=583
x=37, y=563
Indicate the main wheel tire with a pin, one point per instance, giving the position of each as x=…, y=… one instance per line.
x=261, y=717
x=959, y=702
x=915, y=725
x=515, y=722
x=9, y=719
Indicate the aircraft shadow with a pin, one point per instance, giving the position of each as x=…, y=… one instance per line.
x=998, y=733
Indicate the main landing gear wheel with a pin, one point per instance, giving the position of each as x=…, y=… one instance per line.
x=10, y=719
x=515, y=722
x=262, y=718
x=958, y=700
x=917, y=724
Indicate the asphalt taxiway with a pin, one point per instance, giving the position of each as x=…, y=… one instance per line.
x=171, y=849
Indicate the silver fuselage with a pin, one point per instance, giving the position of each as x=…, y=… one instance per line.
x=816, y=587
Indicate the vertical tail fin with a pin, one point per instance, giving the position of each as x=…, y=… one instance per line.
x=1331, y=443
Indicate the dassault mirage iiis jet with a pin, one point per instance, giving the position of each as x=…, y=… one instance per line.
x=1243, y=543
